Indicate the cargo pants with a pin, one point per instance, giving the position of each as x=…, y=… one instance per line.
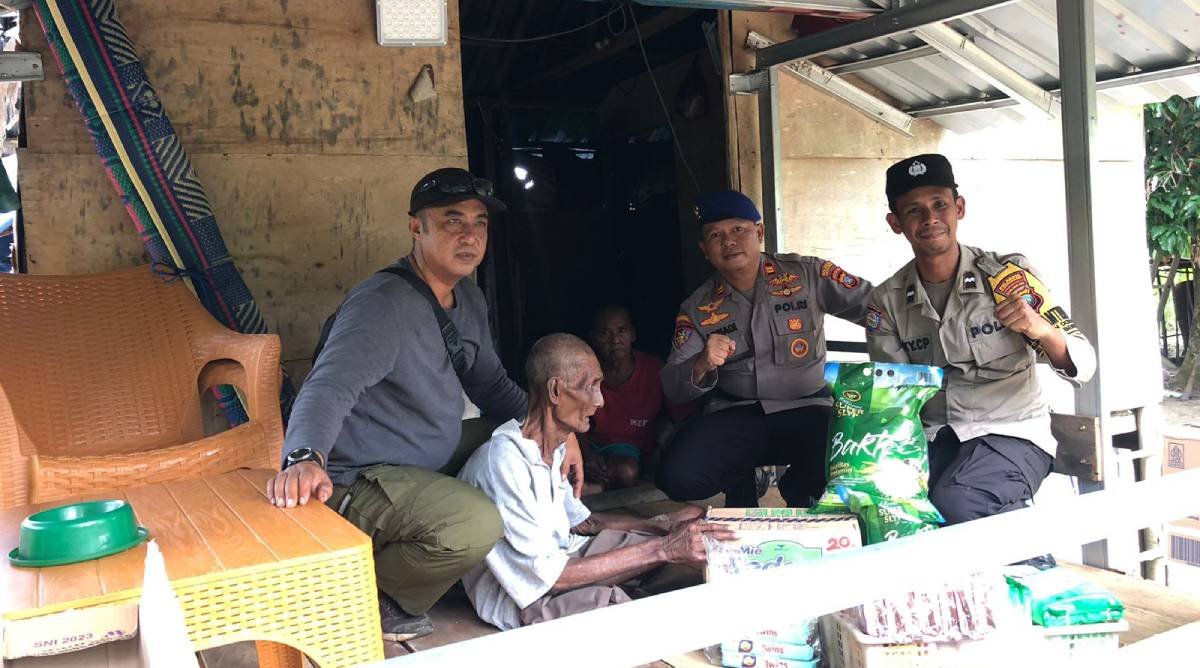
x=427, y=528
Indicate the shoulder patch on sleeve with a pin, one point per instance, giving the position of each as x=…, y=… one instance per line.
x=684, y=329
x=838, y=275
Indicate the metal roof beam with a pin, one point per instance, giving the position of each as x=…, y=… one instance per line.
x=966, y=53
x=876, y=109
x=1002, y=40
x=961, y=107
x=885, y=24
x=1121, y=81
x=880, y=61
x=1148, y=76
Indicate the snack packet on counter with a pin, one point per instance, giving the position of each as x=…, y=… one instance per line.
x=736, y=660
x=771, y=538
x=1061, y=597
x=767, y=647
x=878, y=461
x=957, y=611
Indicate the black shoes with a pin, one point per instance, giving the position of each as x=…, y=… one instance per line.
x=397, y=624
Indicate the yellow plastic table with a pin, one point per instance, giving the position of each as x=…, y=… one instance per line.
x=292, y=579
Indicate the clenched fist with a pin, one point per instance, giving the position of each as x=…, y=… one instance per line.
x=1019, y=316
x=717, y=350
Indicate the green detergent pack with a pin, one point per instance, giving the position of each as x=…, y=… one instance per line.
x=878, y=461
x=1060, y=597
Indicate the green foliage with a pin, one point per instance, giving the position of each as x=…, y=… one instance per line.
x=1173, y=175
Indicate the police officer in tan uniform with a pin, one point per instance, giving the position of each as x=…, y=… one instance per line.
x=751, y=339
x=989, y=428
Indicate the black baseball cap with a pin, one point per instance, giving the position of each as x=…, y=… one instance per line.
x=927, y=169
x=450, y=185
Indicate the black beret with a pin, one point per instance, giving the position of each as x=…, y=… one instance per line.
x=725, y=204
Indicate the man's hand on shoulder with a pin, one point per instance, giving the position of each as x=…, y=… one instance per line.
x=297, y=483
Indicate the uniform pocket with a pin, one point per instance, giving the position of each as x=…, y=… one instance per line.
x=790, y=325
x=999, y=354
x=795, y=338
x=395, y=483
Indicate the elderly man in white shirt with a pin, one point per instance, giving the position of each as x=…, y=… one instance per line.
x=556, y=557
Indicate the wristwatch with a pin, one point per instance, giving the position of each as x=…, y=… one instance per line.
x=303, y=455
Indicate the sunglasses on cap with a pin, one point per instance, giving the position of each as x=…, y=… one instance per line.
x=478, y=186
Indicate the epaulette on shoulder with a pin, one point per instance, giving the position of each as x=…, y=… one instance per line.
x=794, y=257
x=702, y=293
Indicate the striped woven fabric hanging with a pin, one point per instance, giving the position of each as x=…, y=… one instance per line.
x=148, y=165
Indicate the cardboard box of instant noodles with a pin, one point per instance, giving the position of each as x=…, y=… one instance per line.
x=775, y=537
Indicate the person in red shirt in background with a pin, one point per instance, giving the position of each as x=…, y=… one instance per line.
x=625, y=430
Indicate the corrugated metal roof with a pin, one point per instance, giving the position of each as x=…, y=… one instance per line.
x=1132, y=37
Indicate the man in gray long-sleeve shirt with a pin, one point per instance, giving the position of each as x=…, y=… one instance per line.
x=379, y=417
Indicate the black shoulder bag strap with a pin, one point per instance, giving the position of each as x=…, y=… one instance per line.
x=454, y=346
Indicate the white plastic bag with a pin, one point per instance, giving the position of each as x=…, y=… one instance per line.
x=163, y=635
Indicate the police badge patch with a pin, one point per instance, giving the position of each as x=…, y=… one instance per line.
x=874, y=317
x=799, y=348
x=683, y=331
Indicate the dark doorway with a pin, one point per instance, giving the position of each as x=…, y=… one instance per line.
x=598, y=139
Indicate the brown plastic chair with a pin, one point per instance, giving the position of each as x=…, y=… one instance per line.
x=100, y=384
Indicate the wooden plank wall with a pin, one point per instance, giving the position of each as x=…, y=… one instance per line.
x=299, y=126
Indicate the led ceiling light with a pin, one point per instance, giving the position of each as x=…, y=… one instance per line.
x=411, y=22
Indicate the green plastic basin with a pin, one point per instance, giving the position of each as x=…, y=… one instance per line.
x=76, y=532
